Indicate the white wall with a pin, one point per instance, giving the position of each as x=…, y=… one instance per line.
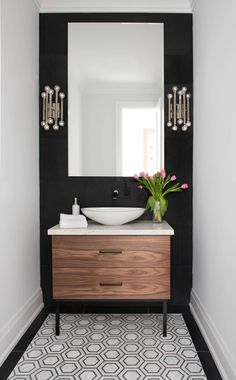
x=20, y=292
x=214, y=285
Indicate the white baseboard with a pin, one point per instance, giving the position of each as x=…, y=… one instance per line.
x=223, y=358
x=14, y=329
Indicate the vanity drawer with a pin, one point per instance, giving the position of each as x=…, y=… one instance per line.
x=115, y=283
x=107, y=251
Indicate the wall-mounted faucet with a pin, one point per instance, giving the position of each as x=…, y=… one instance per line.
x=124, y=190
x=115, y=194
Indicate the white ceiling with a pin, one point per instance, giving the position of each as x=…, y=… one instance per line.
x=165, y=6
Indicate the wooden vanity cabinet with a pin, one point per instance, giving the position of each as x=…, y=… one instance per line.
x=111, y=268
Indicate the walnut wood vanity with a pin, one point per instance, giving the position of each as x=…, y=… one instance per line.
x=129, y=262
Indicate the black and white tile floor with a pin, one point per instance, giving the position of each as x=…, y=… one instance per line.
x=112, y=347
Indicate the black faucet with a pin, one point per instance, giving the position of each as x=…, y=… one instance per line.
x=115, y=194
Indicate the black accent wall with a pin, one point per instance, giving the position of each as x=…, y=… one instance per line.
x=57, y=190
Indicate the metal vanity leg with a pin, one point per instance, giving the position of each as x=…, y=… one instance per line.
x=57, y=326
x=164, y=318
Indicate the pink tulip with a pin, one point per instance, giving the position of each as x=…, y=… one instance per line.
x=135, y=176
x=173, y=178
x=163, y=173
x=142, y=174
x=151, y=177
x=184, y=186
x=140, y=187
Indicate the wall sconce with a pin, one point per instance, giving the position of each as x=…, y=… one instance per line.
x=179, y=109
x=52, y=111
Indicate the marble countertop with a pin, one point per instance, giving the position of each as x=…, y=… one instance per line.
x=143, y=227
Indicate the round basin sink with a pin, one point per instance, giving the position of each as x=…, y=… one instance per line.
x=113, y=216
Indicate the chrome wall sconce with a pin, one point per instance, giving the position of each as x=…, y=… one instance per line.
x=52, y=109
x=179, y=109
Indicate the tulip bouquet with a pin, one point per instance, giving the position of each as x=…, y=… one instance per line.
x=158, y=185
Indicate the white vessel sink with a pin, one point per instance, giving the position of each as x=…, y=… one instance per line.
x=113, y=216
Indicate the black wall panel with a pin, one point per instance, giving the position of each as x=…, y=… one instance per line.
x=57, y=190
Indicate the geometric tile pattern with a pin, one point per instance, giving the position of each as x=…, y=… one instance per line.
x=110, y=347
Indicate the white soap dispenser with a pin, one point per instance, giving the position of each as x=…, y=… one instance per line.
x=75, y=208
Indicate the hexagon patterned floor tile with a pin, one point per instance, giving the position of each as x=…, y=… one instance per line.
x=111, y=347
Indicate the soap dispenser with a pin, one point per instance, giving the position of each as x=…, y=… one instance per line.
x=75, y=208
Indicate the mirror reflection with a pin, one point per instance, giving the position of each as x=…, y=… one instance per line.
x=115, y=98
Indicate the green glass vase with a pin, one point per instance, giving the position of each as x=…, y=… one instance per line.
x=157, y=214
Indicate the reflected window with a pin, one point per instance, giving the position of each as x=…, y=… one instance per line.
x=137, y=136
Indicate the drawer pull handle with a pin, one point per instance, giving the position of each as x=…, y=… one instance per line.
x=112, y=252
x=110, y=283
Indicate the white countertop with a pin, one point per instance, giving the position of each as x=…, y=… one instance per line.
x=143, y=227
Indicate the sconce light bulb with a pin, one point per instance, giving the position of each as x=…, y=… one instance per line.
x=174, y=128
x=62, y=95
x=170, y=96
x=188, y=95
x=43, y=123
x=61, y=123
x=55, y=127
x=180, y=92
x=184, y=89
x=43, y=94
x=188, y=123
x=184, y=128
x=56, y=88
x=169, y=124
x=46, y=127
x=51, y=92
x=47, y=88
x=50, y=120
x=175, y=88
x=180, y=121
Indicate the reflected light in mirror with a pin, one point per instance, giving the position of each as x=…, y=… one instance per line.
x=138, y=136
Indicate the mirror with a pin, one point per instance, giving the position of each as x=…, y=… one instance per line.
x=115, y=98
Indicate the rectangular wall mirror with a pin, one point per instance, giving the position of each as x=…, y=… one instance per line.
x=115, y=98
